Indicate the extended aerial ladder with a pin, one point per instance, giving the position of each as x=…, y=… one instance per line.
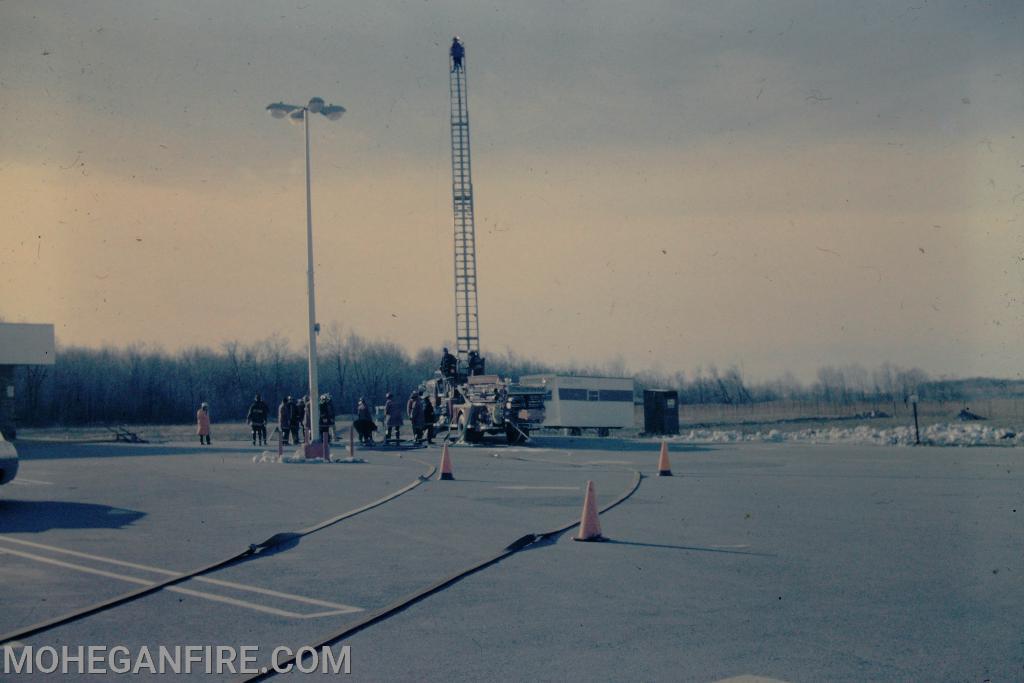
x=469, y=402
x=467, y=322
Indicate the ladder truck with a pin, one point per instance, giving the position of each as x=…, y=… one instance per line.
x=470, y=402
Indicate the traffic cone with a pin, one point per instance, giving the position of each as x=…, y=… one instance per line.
x=590, y=524
x=446, y=465
x=664, y=469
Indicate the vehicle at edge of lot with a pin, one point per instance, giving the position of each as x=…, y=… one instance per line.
x=8, y=461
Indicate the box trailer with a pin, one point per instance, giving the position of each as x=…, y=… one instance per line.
x=576, y=403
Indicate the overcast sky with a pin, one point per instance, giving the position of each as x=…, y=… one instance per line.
x=777, y=185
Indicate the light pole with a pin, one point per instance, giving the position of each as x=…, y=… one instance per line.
x=296, y=114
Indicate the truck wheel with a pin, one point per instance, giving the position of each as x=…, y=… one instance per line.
x=514, y=436
x=603, y=431
x=511, y=435
x=466, y=433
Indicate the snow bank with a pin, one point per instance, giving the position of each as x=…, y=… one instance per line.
x=299, y=458
x=936, y=435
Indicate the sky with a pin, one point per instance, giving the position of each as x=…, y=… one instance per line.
x=773, y=185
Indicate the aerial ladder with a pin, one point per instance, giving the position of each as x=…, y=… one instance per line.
x=471, y=403
x=467, y=321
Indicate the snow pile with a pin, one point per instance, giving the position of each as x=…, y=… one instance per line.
x=299, y=457
x=972, y=435
x=266, y=456
x=936, y=435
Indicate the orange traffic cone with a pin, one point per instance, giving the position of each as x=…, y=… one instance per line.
x=664, y=469
x=446, y=465
x=590, y=525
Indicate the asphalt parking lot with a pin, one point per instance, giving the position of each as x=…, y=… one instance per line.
x=790, y=562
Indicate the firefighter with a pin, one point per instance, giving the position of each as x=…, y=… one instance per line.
x=257, y=418
x=429, y=418
x=326, y=417
x=476, y=363
x=416, y=416
x=284, y=418
x=330, y=407
x=449, y=364
x=203, y=423
x=392, y=418
x=298, y=419
x=364, y=424
x=457, y=52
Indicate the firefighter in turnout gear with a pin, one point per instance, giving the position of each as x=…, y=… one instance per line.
x=364, y=423
x=457, y=52
x=416, y=416
x=475, y=363
x=449, y=364
x=392, y=419
x=326, y=417
x=257, y=418
x=429, y=418
x=284, y=418
x=298, y=419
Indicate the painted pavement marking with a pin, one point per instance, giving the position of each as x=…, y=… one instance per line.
x=333, y=608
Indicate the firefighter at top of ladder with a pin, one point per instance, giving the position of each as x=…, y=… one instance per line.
x=457, y=52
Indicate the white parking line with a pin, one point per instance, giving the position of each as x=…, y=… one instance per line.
x=334, y=608
x=31, y=482
x=167, y=572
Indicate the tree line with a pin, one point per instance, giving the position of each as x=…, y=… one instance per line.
x=140, y=384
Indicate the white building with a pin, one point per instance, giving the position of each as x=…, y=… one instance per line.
x=20, y=344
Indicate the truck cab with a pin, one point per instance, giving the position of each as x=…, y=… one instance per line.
x=480, y=405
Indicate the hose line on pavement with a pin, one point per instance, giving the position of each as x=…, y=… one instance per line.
x=401, y=604
x=254, y=550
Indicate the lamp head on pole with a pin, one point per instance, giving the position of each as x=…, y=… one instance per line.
x=333, y=111
x=296, y=114
x=279, y=109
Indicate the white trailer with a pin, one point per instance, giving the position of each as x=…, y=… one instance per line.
x=577, y=403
